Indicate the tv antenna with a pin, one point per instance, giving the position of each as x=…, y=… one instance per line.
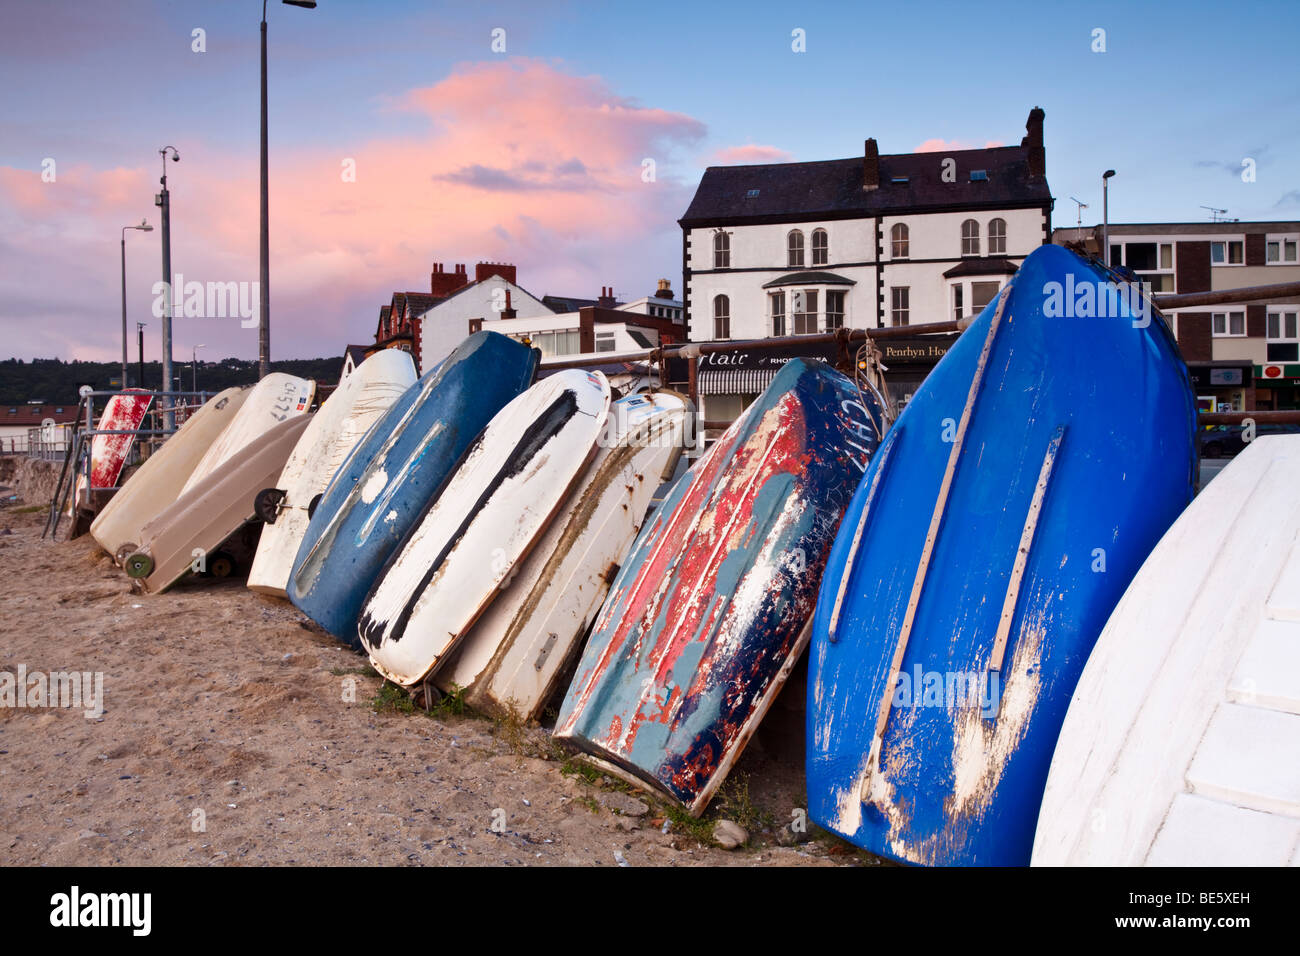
x=1219, y=215
x=1082, y=206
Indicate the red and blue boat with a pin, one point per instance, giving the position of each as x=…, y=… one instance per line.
x=710, y=610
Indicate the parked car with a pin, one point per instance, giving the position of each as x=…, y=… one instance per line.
x=1225, y=441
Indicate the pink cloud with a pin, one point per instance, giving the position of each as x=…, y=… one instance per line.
x=750, y=154
x=520, y=162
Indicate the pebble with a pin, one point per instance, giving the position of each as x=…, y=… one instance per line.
x=729, y=834
x=623, y=803
x=618, y=858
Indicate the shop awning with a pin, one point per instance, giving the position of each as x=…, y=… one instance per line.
x=735, y=381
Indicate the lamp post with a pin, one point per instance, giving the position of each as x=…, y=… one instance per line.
x=1105, y=213
x=143, y=227
x=163, y=200
x=264, y=252
x=139, y=332
x=194, y=367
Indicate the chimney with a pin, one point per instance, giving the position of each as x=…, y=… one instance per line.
x=665, y=290
x=443, y=283
x=1033, y=141
x=870, y=165
x=485, y=270
x=508, y=312
x=606, y=300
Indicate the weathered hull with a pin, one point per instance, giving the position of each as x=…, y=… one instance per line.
x=1011, y=504
x=158, y=482
x=512, y=658
x=360, y=400
x=273, y=400
x=108, y=453
x=197, y=523
x=710, y=610
x=483, y=522
x=381, y=490
x=1183, y=737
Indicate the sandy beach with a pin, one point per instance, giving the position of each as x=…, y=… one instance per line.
x=234, y=731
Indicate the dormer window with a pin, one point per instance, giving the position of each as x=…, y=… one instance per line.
x=752, y=194
x=979, y=175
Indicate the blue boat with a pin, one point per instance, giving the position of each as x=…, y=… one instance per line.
x=395, y=470
x=709, y=612
x=997, y=527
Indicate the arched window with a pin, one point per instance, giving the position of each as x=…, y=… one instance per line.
x=899, y=241
x=721, y=250
x=794, y=243
x=970, y=238
x=997, y=237
x=721, y=317
x=820, y=247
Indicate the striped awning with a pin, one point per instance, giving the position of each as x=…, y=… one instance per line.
x=735, y=381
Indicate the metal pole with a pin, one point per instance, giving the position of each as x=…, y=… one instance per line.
x=1283, y=291
x=164, y=200
x=1105, y=215
x=264, y=253
x=124, y=360
x=139, y=331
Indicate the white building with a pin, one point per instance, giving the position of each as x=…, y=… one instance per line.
x=867, y=242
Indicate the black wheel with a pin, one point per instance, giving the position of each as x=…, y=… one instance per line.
x=267, y=504
x=138, y=564
x=311, y=507
x=221, y=565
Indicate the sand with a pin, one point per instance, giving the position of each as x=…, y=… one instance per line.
x=226, y=738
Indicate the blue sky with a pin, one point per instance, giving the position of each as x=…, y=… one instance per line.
x=1181, y=95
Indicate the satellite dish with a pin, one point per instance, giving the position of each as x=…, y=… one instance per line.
x=84, y=391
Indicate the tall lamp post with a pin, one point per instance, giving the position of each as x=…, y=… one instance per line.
x=139, y=331
x=264, y=253
x=1105, y=213
x=163, y=200
x=143, y=227
x=194, y=367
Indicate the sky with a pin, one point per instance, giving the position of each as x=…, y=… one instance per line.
x=564, y=137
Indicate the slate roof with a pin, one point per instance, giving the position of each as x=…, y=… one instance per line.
x=982, y=266
x=809, y=278
x=832, y=189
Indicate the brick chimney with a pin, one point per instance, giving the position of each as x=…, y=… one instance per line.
x=606, y=300
x=870, y=165
x=665, y=290
x=486, y=270
x=443, y=283
x=508, y=312
x=1033, y=141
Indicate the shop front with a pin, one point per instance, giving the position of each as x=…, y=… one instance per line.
x=1277, y=387
x=1223, y=385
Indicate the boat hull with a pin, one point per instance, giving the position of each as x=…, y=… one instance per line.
x=158, y=482
x=383, y=487
x=710, y=610
x=1181, y=746
x=484, y=521
x=108, y=453
x=1015, y=497
x=511, y=660
x=360, y=400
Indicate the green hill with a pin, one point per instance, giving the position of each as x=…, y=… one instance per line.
x=56, y=381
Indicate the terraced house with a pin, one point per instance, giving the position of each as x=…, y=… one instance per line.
x=1241, y=357
x=867, y=242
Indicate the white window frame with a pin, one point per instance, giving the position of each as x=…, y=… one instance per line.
x=794, y=245
x=1282, y=339
x=1226, y=242
x=843, y=313
x=895, y=241
x=1227, y=332
x=1000, y=238
x=1282, y=238
x=722, y=239
x=824, y=248
x=894, y=309
x=773, y=313
x=970, y=245
x=724, y=313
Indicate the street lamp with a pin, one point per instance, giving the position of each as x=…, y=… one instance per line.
x=264, y=253
x=163, y=200
x=143, y=227
x=1105, y=213
x=194, y=367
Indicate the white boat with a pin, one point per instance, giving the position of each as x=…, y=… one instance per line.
x=506, y=489
x=158, y=482
x=359, y=401
x=510, y=660
x=1182, y=742
x=274, y=399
